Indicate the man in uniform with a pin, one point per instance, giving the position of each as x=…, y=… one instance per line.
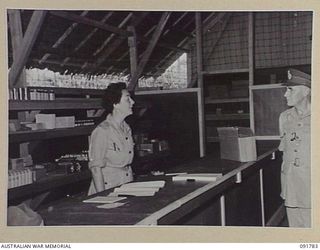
x=294, y=125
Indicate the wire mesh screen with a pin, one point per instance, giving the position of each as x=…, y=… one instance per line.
x=283, y=38
x=226, y=44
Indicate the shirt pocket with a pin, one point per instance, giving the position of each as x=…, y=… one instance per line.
x=116, y=157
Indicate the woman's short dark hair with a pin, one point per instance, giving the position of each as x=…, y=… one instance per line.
x=112, y=95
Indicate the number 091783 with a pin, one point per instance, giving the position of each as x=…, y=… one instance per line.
x=308, y=245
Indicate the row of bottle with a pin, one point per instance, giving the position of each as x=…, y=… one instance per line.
x=31, y=94
x=20, y=177
x=86, y=122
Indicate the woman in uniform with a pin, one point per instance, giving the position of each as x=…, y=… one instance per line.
x=111, y=144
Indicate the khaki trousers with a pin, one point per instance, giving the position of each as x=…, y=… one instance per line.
x=299, y=217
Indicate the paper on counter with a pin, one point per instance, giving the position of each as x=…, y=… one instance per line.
x=135, y=189
x=169, y=174
x=112, y=205
x=104, y=199
x=197, y=177
x=145, y=184
x=133, y=193
x=143, y=188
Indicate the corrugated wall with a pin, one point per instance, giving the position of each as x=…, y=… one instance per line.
x=281, y=39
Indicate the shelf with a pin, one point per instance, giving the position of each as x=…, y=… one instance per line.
x=65, y=103
x=75, y=91
x=212, y=139
x=47, y=183
x=209, y=100
x=32, y=135
x=214, y=117
x=225, y=71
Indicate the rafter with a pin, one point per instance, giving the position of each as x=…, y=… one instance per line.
x=62, y=38
x=29, y=38
x=104, y=44
x=117, y=42
x=147, y=34
x=164, y=45
x=16, y=39
x=156, y=35
x=87, y=38
x=90, y=22
x=167, y=57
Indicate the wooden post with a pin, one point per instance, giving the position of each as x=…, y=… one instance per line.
x=189, y=69
x=149, y=50
x=199, y=73
x=16, y=40
x=251, y=52
x=132, y=42
x=26, y=46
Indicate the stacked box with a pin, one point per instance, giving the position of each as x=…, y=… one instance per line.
x=49, y=120
x=65, y=122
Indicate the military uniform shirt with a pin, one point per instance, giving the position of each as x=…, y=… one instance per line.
x=296, y=167
x=111, y=149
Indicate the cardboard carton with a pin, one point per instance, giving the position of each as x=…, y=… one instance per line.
x=49, y=120
x=237, y=144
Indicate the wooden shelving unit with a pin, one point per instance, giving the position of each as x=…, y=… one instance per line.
x=225, y=71
x=77, y=103
x=214, y=117
x=63, y=103
x=226, y=102
x=209, y=100
x=47, y=183
x=44, y=134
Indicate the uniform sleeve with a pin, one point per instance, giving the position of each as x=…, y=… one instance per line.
x=98, y=148
x=281, y=130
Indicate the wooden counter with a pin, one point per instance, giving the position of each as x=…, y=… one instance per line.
x=238, y=198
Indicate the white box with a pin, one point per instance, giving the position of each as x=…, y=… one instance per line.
x=237, y=144
x=49, y=120
x=65, y=122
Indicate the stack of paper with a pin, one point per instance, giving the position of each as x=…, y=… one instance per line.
x=197, y=177
x=146, y=188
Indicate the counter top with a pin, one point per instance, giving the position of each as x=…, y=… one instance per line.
x=162, y=206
